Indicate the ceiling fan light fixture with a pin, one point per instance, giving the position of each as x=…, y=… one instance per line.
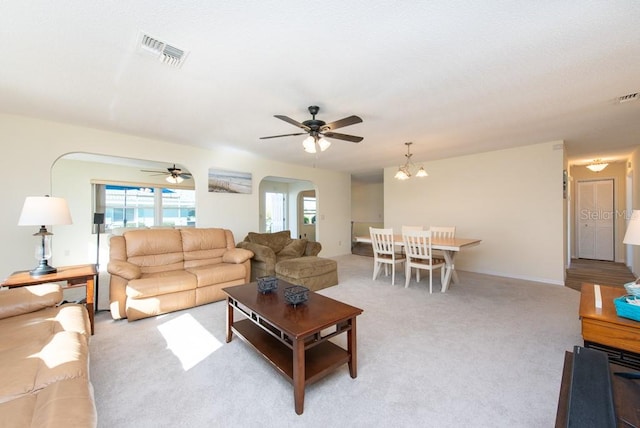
x=309, y=144
x=174, y=179
x=597, y=165
x=421, y=172
x=324, y=144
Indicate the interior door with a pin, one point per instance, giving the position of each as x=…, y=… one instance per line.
x=275, y=212
x=595, y=220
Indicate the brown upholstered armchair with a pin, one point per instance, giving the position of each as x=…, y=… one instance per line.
x=271, y=248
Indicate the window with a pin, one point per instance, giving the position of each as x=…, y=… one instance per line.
x=132, y=206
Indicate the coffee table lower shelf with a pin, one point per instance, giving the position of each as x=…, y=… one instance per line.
x=320, y=359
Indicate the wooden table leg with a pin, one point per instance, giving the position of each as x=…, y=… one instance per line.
x=298, y=375
x=352, y=349
x=89, y=303
x=229, y=319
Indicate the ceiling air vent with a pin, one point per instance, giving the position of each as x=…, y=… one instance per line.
x=166, y=53
x=629, y=97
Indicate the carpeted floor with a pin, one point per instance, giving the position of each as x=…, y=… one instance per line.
x=489, y=352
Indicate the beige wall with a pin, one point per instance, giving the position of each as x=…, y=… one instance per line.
x=511, y=199
x=634, y=172
x=30, y=148
x=367, y=202
x=617, y=172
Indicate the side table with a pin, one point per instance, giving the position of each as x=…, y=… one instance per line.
x=73, y=276
x=604, y=330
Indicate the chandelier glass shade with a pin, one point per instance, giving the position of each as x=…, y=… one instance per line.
x=597, y=165
x=404, y=171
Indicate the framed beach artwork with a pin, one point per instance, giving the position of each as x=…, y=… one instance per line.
x=223, y=181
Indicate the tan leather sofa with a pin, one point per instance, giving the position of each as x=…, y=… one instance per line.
x=155, y=271
x=44, y=360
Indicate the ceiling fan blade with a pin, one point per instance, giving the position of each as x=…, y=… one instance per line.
x=351, y=120
x=185, y=175
x=283, y=135
x=345, y=137
x=158, y=172
x=293, y=122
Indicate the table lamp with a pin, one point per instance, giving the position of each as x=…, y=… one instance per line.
x=42, y=211
x=632, y=236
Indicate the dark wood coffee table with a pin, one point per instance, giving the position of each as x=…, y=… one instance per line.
x=295, y=340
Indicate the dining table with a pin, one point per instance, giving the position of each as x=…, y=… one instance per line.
x=450, y=247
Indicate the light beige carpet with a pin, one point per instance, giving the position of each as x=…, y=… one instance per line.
x=488, y=353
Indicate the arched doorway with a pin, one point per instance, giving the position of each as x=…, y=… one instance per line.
x=281, y=205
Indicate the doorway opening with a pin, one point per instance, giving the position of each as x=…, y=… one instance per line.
x=282, y=208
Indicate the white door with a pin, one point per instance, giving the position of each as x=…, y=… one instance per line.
x=275, y=212
x=595, y=220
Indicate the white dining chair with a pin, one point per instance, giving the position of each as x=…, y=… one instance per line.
x=417, y=245
x=446, y=232
x=443, y=231
x=384, y=252
x=408, y=228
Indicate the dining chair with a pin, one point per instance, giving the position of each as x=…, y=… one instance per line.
x=417, y=245
x=447, y=232
x=384, y=252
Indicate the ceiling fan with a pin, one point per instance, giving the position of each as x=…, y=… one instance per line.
x=318, y=130
x=174, y=175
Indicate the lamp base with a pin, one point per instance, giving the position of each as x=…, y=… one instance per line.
x=43, y=269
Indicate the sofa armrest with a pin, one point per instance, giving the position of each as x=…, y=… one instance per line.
x=313, y=248
x=261, y=253
x=124, y=269
x=22, y=300
x=237, y=255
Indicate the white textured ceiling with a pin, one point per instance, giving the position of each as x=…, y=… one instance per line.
x=454, y=77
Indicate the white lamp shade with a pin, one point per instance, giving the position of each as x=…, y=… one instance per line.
x=43, y=211
x=175, y=179
x=309, y=144
x=422, y=173
x=324, y=144
x=401, y=175
x=632, y=236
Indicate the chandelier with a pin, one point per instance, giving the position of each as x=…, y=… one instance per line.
x=404, y=172
x=597, y=165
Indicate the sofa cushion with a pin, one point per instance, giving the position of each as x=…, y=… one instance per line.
x=218, y=274
x=34, y=364
x=294, y=249
x=237, y=255
x=40, y=325
x=155, y=250
x=276, y=241
x=68, y=403
x=305, y=267
x=160, y=283
x=23, y=300
x=205, y=246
